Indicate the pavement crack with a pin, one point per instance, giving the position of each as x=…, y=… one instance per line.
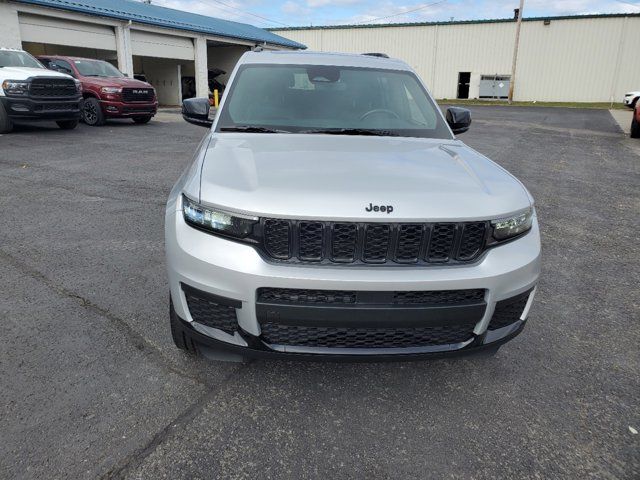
x=129, y=463
x=138, y=341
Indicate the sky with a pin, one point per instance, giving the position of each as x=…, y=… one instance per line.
x=280, y=13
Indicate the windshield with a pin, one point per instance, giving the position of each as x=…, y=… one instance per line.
x=10, y=58
x=96, y=68
x=330, y=99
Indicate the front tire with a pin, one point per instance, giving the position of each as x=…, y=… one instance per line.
x=635, y=128
x=6, y=125
x=67, y=124
x=92, y=113
x=142, y=120
x=180, y=336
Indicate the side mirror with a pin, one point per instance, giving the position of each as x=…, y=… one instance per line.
x=459, y=119
x=196, y=111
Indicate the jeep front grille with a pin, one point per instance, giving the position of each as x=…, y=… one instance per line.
x=373, y=243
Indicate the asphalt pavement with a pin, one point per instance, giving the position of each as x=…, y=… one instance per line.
x=91, y=385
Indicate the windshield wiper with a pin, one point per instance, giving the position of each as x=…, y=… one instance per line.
x=251, y=129
x=352, y=131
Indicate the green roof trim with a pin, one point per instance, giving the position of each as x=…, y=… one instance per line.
x=459, y=22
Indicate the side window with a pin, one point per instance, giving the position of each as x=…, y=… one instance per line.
x=62, y=66
x=46, y=62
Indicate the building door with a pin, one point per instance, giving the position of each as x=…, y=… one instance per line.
x=494, y=86
x=464, y=78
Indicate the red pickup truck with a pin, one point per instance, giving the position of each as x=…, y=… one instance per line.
x=106, y=91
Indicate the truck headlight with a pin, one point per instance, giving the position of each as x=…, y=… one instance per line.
x=111, y=90
x=15, y=87
x=78, y=86
x=216, y=221
x=505, y=228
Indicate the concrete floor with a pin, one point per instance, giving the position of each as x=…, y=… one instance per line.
x=92, y=387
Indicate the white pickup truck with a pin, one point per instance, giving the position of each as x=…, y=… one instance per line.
x=29, y=92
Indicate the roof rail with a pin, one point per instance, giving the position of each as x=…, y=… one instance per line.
x=376, y=54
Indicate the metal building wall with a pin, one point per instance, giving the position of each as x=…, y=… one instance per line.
x=577, y=59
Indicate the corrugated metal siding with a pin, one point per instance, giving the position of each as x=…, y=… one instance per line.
x=580, y=59
x=166, y=17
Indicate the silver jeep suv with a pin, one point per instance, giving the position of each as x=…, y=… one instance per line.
x=331, y=211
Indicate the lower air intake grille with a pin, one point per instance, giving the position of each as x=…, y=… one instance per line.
x=299, y=295
x=206, y=312
x=278, y=334
x=508, y=311
x=428, y=297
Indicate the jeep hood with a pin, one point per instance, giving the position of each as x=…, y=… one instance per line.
x=337, y=177
x=22, y=73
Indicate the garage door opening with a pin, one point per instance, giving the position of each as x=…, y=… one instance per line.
x=164, y=75
x=36, y=49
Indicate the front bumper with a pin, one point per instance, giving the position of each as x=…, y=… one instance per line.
x=234, y=271
x=116, y=109
x=30, y=109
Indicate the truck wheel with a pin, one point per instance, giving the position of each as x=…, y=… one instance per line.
x=142, y=120
x=635, y=129
x=181, y=338
x=67, y=124
x=6, y=125
x=92, y=113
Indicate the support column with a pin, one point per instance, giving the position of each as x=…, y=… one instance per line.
x=123, y=46
x=10, y=31
x=201, y=67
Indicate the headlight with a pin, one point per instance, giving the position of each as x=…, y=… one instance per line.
x=111, y=90
x=216, y=221
x=78, y=86
x=15, y=87
x=505, y=228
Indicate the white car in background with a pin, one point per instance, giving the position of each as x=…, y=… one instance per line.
x=630, y=98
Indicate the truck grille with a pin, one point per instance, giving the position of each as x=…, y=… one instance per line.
x=52, y=87
x=137, y=94
x=332, y=337
x=373, y=243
